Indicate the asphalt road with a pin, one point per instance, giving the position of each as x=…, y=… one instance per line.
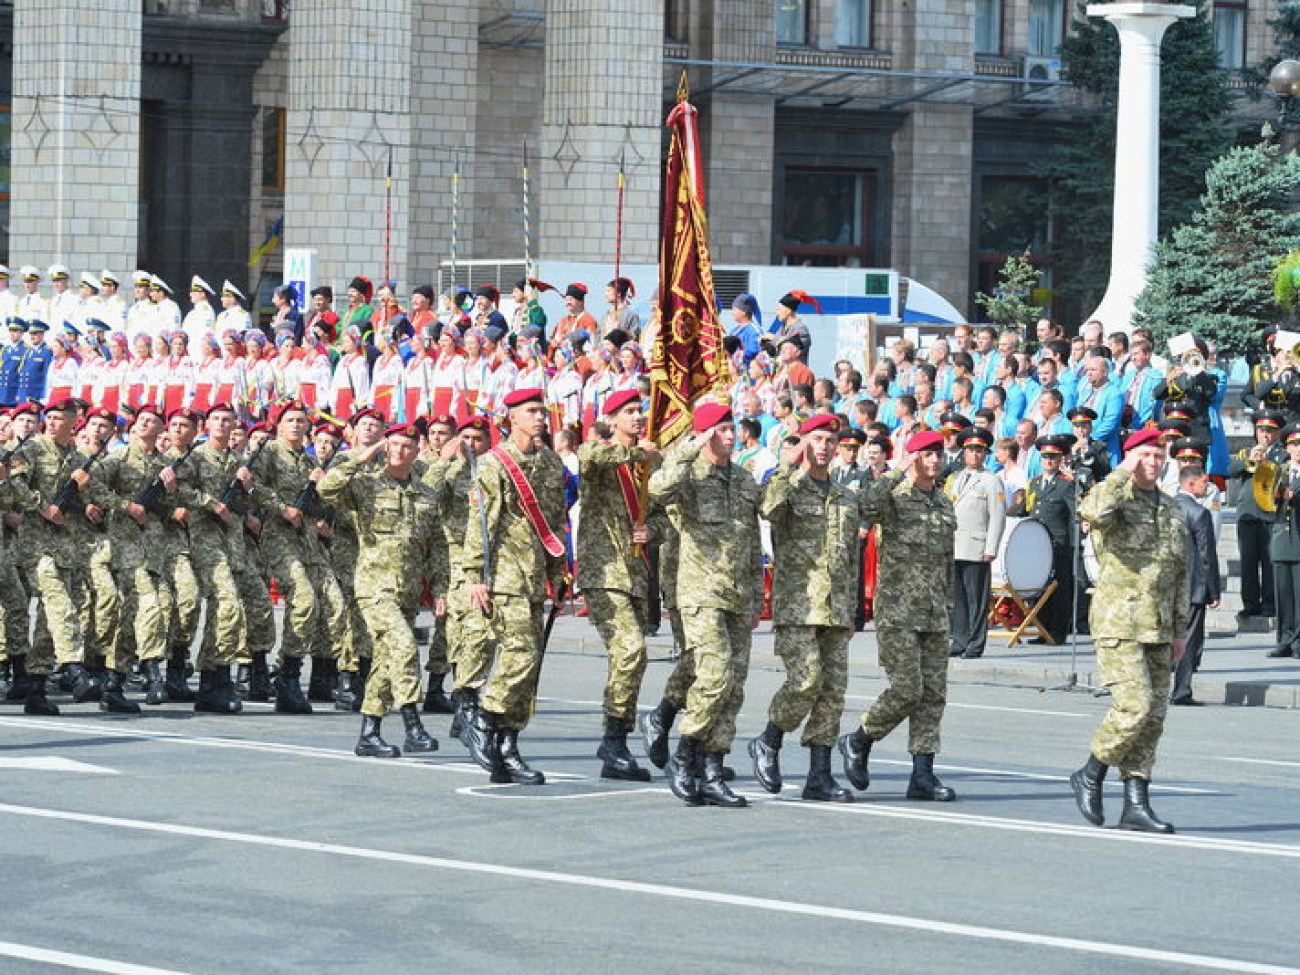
x=259, y=843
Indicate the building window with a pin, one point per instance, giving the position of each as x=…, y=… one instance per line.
x=273, y=149
x=852, y=23
x=792, y=21
x=276, y=10
x=1013, y=219
x=825, y=218
x=675, y=21
x=1230, y=32
x=1047, y=20
x=988, y=26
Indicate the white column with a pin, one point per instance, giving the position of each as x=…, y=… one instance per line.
x=1137, y=151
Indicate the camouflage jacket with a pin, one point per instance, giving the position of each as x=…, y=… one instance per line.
x=201, y=482
x=395, y=523
x=454, y=483
x=15, y=496
x=46, y=467
x=1141, y=546
x=282, y=473
x=720, y=557
x=119, y=479
x=814, y=549
x=437, y=565
x=175, y=534
x=517, y=564
x=604, y=546
x=917, y=533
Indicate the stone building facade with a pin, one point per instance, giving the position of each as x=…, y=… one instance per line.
x=179, y=135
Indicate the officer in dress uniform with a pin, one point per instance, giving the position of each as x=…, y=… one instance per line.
x=1282, y=390
x=980, y=506
x=233, y=315
x=1050, y=498
x=11, y=360
x=8, y=300
x=32, y=304
x=63, y=302
x=1284, y=549
x=140, y=316
x=200, y=319
x=1254, y=524
x=1261, y=373
x=35, y=363
x=109, y=308
x=166, y=313
x=953, y=427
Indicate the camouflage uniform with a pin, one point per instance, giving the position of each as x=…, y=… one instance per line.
x=612, y=578
x=102, y=617
x=913, y=603
x=297, y=557
x=137, y=552
x=251, y=580
x=719, y=585
x=344, y=551
x=214, y=547
x=1139, y=607
x=395, y=524
x=814, y=544
x=683, y=672
x=518, y=569
x=55, y=555
x=179, y=589
x=14, y=617
x=469, y=633
x=437, y=571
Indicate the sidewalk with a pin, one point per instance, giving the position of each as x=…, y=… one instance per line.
x=1234, y=669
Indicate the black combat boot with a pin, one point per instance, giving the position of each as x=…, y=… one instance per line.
x=856, y=749
x=436, y=700
x=289, y=698
x=22, y=683
x=466, y=704
x=155, y=690
x=683, y=773
x=820, y=785
x=345, y=693
x=1137, y=814
x=765, y=750
x=359, y=682
x=371, y=744
x=714, y=789
x=619, y=763
x=243, y=680
x=217, y=693
x=113, y=698
x=655, y=726
x=36, y=701
x=513, y=763
x=925, y=784
x=178, y=690
x=259, y=678
x=480, y=736
x=1087, y=786
x=85, y=685
x=324, y=674
x=417, y=739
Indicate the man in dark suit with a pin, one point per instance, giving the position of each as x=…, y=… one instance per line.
x=1204, y=584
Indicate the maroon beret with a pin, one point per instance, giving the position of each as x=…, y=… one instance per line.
x=820, y=421
x=475, y=423
x=403, y=430
x=925, y=440
x=616, y=401
x=364, y=412
x=521, y=396
x=709, y=415
x=442, y=419
x=1141, y=438
x=186, y=413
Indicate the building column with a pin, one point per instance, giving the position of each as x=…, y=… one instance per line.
x=349, y=125
x=603, y=101
x=76, y=134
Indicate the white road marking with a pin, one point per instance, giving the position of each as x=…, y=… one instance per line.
x=1260, y=761
x=987, y=707
x=53, y=763
x=770, y=905
x=932, y=815
x=527, y=793
x=85, y=963
x=1041, y=776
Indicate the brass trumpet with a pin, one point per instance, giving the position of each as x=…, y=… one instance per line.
x=1266, y=484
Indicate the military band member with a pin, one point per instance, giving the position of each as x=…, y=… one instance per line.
x=1139, y=618
x=979, y=506
x=520, y=494
x=612, y=574
x=1281, y=391
x=1284, y=550
x=719, y=593
x=1204, y=583
x=815, y=526
x=1051, y=499
x=1254, y=524
x=1089, y=460
x=917, y=527
x=395, y=515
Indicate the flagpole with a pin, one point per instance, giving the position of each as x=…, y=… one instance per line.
x=388, y=218
x=455, y=217
x=528, y=233
x=618, y=216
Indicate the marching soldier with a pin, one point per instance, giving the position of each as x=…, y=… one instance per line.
x=612, y=574
x=979, y=506
x=394, y=513
x=1139, y=616
x=719, y=593
x=1051, y=498
x=1254, y=524
x=252, y=674
x=1284, y=550
x=441, y=431
x=519, y=506
x=102, y=619
x=814, y=543
x=179, y=589
x=917, y=527
x=14, y=620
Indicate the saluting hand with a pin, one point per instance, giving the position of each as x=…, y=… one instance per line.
x=480, y=597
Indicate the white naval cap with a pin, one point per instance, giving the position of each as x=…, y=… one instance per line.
x=90, y=281
x=4, y=271
x=58, y=272
x=141, y=278
x=229, y=289
x=108, y=277
x=159, y=283
x=198, y=284
x=29, y=273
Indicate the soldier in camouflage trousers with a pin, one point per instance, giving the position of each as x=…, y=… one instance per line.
x=612, y=572
x=912, y=607
x=520, y=494
x=441, y=431
x=395, y=516
x=14, y=619
x=814, y=525
x=179, y=583
x=1139, y=614
x=719, y=591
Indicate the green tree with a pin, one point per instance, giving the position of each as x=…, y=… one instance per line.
x=1215, y=274
x=1195, y=100
x=1008, y=305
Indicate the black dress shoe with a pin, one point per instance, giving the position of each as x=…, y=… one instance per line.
x=1279, y=652
x=955, y=652
x=972, y=656
x=1186, y=702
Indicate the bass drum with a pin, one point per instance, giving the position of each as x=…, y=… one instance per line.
x=1024, y=562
